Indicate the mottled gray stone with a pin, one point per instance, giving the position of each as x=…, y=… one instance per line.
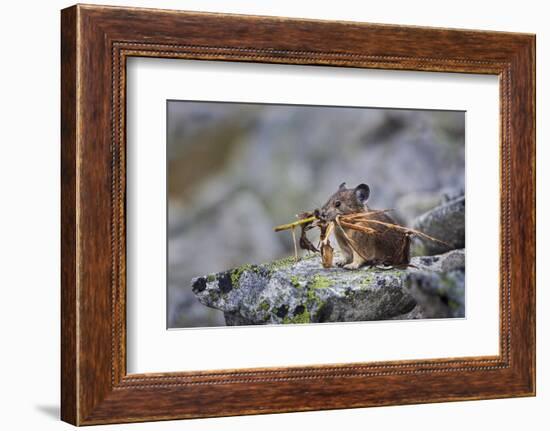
x=415, y=313
x=445, y=222
x=287, y=291
x=439, y=295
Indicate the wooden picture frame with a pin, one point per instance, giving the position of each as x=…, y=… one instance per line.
x=95, y=43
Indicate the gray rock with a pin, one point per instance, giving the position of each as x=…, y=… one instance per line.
x=286, y=291
x=440, y=294
x=445, y=222
x=450, y=194
x=415, y=313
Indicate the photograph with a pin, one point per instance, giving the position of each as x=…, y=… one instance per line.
x=268, y=216
x=305, y=214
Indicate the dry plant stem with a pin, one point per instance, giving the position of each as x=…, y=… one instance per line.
x=349, y=240
x=349, y=222
x=407, y=230
x=325, y=238
x=294, y=241
x=327, y=254
x=294, y=224
x=366, y=214
x=360, y=228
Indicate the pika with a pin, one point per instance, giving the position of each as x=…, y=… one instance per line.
x=387, y=247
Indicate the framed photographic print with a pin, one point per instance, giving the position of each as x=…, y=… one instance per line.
x=265, y=215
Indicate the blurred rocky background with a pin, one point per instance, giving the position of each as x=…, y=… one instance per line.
x=237, y=170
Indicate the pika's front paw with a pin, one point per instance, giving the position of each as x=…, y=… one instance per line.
x=342, y=263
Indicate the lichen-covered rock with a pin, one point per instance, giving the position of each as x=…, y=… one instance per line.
x=445, y=222
x=287, y=291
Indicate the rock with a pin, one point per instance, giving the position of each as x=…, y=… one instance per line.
x=440, y=294
x=286, y=291
x=445, y=222
x=415, y=313
x=450, y=194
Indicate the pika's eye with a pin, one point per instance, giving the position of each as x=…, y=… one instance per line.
x=337, y=204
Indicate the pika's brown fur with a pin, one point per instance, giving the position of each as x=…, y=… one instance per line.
x=385, y=247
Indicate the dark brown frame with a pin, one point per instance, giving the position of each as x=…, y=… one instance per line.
x=95, y=43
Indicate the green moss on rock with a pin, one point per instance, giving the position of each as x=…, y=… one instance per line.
x=286, y=262
x=295, y=280
x=367, y=280
x=303, y=317
x=282, y=263
x=238, y=272
x=320, y=282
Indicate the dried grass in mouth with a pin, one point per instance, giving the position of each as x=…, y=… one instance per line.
x=309, y=220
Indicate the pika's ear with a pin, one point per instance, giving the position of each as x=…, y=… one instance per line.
x=342, y=186
x=362, y=192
